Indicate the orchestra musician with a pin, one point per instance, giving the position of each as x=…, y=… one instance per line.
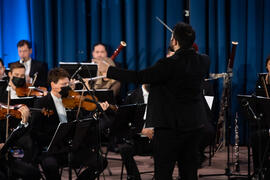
x=16, y=79
x=32, y=66
x=175, y=95
x=100, y=53
x=43, y=129
x=263, y=82
x=135, y=143
x=260, y=134
x=10, y=167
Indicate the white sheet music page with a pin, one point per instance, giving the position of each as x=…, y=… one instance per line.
x=209, y=100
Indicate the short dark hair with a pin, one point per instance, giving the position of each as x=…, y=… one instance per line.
x=57, y=73
x=267, y=60
x=23, y=42
x=99, y=43
x=16, y=65
x=2, y=62
x=184, y=35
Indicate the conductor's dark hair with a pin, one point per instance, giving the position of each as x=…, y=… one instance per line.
x=266, y=62
x=184, y=35
x=23, y=42
x=102, y=44
x=57, y=73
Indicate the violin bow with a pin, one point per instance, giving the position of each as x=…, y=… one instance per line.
x=34, y=80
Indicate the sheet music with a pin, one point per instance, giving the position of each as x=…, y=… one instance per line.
x=209, y=100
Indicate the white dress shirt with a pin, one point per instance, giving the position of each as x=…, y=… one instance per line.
x=27, y=66
x=61, y=111
x=145, y=99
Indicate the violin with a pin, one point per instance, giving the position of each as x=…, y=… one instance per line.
x=86, y=102
x=28, y=90
x=14, y=112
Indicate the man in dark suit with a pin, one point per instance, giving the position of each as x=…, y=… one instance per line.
x=175, y=108
x=44, y=127
x=32, y=66
x=137, y=137
x=16, y=79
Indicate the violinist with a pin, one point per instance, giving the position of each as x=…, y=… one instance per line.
x=32, y=66
x=16, y=79
x=43, y=129
x=12, y=168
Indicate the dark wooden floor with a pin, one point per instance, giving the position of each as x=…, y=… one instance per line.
x=219, y=163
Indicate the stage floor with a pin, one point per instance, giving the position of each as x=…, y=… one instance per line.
x=219, y=163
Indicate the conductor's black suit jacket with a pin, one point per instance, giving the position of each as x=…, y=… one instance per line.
x=175, y=99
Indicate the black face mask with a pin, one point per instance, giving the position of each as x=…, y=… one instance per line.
x=64, y=91
x=18, y=82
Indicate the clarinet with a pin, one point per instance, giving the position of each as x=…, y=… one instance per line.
x=236, y=144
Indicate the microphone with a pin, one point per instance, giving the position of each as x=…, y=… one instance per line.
x=76, y=72
x=79, y=78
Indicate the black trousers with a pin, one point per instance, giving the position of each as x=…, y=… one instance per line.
x=94, y=163
x=171, y=146
x=260, y=142
x=14, y=169
x=137, y=146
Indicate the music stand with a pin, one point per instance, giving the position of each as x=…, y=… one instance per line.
x=255, y=109
x=28, y=101
x=88, y=69
x=67, y=138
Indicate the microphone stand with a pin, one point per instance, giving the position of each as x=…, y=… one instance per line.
x=76, y=72
x=99, y=111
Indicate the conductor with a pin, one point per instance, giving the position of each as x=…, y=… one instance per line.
x=175, y=107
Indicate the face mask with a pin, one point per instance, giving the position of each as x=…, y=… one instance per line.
x=18, y=82
x=64, y=91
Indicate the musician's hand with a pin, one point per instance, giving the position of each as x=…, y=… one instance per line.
x=45, y=93
x=25, y=113
x=104, y=105
x=1, y=145
x=28, y=79
x=149, y=132
x=103, y=66
x=72, y=84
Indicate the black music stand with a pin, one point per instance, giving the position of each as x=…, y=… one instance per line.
x=255, y=110
x=67, y=138
x=28, y=101
x=132, y=110
x=88, y=69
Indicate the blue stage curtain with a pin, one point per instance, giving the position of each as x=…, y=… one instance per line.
x=217, y=23
x=65, y=30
